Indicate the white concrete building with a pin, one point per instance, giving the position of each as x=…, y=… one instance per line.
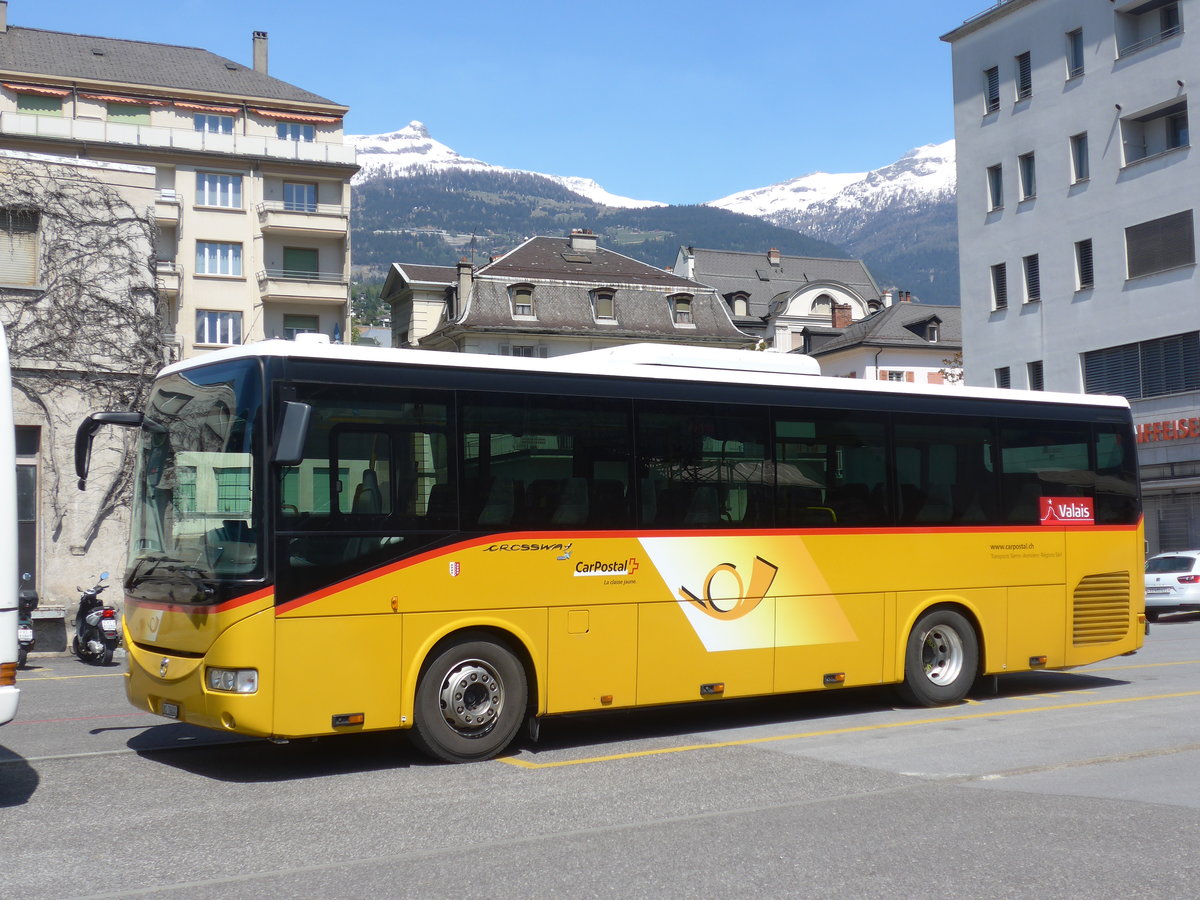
x=1077, y=190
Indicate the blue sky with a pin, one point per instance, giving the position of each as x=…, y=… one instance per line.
x=679, y=102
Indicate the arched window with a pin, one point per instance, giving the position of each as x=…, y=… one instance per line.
x=681, y=308
x=522, y=300
x=739, y=303
x=822, y=306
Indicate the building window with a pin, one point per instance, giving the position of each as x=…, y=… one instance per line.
x=1075, y=53
x=19, y=246
x=528, y=351
x=604, y=306
x=1003, y=379
x=933, y=332
x=301, y=262
x=521, y=296
x=1156, y=368
x=1024, y=76
x=1160, y=244
x=212, y=124
x=999, y=286
x=129, y=113
x=1157, y=131
x=218, y=258
x=294, y=325
x=991, y=89
x=295, y=131
x=1036, y=381
x=1083, y=264
x=1028, y=171
x=1033, y=278
x=36, y=105
x=739, y=303
x=995, y=177
x=213, y=189
x=681, y=308
x=218, y=327
x=1146, y=25
x=299, y=197
x=894, y=376
x=1079, y=157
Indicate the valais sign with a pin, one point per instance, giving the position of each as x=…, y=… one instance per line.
x=1067, y=511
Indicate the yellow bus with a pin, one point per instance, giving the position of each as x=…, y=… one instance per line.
x=331, y=539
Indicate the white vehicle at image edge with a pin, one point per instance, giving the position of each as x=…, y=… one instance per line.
x=8, y=543
x=1172, y=583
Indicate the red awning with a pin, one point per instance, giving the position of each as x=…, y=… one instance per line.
x=116, y=98
x=37, y=89
x=297, y=117
x=208, y=107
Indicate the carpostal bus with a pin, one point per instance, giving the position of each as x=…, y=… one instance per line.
x=330, y=539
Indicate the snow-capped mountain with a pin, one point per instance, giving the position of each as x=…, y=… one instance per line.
x=411, y=150
x=820, y=202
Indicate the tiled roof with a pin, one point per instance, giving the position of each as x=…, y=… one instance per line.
x=427, y=274
x=897, y=326
x=31, y=52
x=552, y=257
x=731, y=271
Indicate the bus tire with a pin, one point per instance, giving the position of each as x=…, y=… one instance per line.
x=941, y=659
x=471, y=700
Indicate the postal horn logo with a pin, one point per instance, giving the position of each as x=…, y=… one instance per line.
x=733, y=605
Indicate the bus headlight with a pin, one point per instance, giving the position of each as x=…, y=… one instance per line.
x=233, y=681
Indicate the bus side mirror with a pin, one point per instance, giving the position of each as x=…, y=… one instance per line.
x=87, y=430
x=293, y=432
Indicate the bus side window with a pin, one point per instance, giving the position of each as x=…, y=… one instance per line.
x=1043, y=460
x=941, y=478
x=831, y=469
x=1116, y=476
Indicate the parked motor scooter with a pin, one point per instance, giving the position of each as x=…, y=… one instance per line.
x=95, y=626
x=27, y=601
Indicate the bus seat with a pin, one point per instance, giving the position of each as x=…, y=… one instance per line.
x=572, y=508
x=368, y=499
x=501, y=502
x=441, y=507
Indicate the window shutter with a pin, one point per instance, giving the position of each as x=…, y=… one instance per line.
x=992, y=97
x=505, y=350
x=1033, y=279
x=1160, y=244
x=1024, y=76
x=1000, y=286
x=1083, y=252
x=1170, y=365
x=1003, y=380
x=18, y=247
x=1114, y=370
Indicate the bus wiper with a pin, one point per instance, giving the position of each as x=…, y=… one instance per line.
x=195, y=575
x=154, y=561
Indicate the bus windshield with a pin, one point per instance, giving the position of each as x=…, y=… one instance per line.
x=196, y=505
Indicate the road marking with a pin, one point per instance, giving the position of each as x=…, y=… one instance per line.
x=855, y=729
x=1182, y=662
x=29, y=679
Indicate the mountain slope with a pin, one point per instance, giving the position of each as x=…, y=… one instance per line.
x=900, y=219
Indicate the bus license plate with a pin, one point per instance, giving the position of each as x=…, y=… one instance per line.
x=170, y=710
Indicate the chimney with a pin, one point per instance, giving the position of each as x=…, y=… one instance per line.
x=3, y=16
x=905, y=297
x=465, y=277
x=886, y=299
x=583, y=240
x=841, y=315
x=773, y=256
x=260, y=52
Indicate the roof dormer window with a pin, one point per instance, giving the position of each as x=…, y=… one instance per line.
x=521, y=297
x=681, y=310
x=739, y=303
x=604, y=305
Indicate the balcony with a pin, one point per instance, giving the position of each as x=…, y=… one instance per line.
x=329, y=219
x=166, y=208
x=303, y=287
x=155, y=137
x=168, y=274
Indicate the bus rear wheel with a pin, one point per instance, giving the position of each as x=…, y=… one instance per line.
x=470, y=701
x=941, y=659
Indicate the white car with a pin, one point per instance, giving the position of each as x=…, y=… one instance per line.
x=1172, y=583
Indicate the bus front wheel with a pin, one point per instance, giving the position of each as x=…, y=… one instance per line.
x=941, y=660
x=470, y=701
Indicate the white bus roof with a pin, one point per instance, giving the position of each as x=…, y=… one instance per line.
x=659, y=361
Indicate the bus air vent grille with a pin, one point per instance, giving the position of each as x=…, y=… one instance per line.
x=1101, y=609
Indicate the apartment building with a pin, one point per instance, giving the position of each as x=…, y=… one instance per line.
x=251, y=173
x=1077, y=191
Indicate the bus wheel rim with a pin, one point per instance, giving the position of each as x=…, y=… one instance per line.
x=942, y=655
x=472, y=697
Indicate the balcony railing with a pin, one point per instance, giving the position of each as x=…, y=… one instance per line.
x=324, y=217
x=319, y=209
x=1131, y=49
x=158, y=137
x=299, y=275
